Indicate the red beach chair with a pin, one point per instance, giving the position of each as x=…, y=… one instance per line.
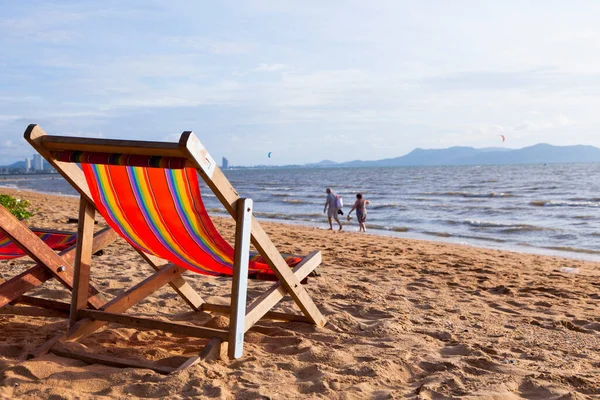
x=149, y=193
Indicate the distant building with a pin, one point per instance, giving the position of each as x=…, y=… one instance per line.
x=225, y=163
x=37, y=163
x=27, y=164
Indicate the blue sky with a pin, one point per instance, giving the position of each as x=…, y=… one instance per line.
x=306, y=80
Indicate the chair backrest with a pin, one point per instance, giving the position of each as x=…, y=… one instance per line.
x=160, y=211
x=155, y=204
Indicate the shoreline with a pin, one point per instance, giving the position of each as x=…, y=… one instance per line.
x=576, y=254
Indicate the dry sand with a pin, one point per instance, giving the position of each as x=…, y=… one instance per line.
x=407, y=319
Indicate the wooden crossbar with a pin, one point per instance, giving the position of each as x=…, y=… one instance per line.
x=180, y=285
x=113, y=361
x=274, y=315
x=45, y=303
x=147, y=323
x=133, y=147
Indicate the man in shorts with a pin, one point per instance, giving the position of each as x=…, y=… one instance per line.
x=331, y=208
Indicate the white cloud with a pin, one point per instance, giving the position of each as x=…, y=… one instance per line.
x=7, y=118
x=93, y=135
x=270, y=67
x=208, y=44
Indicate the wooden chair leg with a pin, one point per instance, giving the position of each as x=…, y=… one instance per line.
x=83, y=258
x=239, y=283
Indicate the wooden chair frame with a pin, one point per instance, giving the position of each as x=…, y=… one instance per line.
x=84, y=321
x=49, y=265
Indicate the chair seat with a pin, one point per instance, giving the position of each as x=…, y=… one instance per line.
x=266, y=274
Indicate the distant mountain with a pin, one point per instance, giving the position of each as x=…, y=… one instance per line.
x=324, y=163
x=537, y=154
x=18, y=164
x=540, y=154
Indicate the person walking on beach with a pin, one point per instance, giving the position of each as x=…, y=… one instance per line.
x=361, y=211
x=331, y=208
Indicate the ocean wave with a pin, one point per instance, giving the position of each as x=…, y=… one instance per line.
x=384, y=206
x=572, y=249
x=564, y=203
x=388, y=228
x=585, y=199
x=424, y=199
x=470, y=194
x=309, y=217
x=265, y=187
x=583, y=217
x=297, y=201
x=505, y=228
x=484, y=238
x=448, y=235
x=274, y=215
x=510, y=208
x=523, y=228
x=438, y=234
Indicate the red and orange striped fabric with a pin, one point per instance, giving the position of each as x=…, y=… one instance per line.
x=55, y=240
x=160, y=211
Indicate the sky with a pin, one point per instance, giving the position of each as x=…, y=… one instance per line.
x=306, y=80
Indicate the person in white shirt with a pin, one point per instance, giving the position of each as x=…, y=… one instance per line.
x=331, y=208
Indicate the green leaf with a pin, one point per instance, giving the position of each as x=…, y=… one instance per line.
x=17, y=207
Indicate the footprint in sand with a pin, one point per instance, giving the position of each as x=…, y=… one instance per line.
x=498, y=307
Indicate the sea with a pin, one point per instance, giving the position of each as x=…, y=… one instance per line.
x=551, y=209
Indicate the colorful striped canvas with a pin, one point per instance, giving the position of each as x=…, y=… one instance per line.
x=119, y=159
x=55, y=240
x=160, y=211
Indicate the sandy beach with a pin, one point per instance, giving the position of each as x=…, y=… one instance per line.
x=406, y=319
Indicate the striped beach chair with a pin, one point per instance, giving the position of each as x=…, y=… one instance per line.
x=56, y=240
x=149, y=193
x=17, y=240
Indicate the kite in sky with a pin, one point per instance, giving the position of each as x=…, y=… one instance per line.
x=269, y=155
x=502, y=136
